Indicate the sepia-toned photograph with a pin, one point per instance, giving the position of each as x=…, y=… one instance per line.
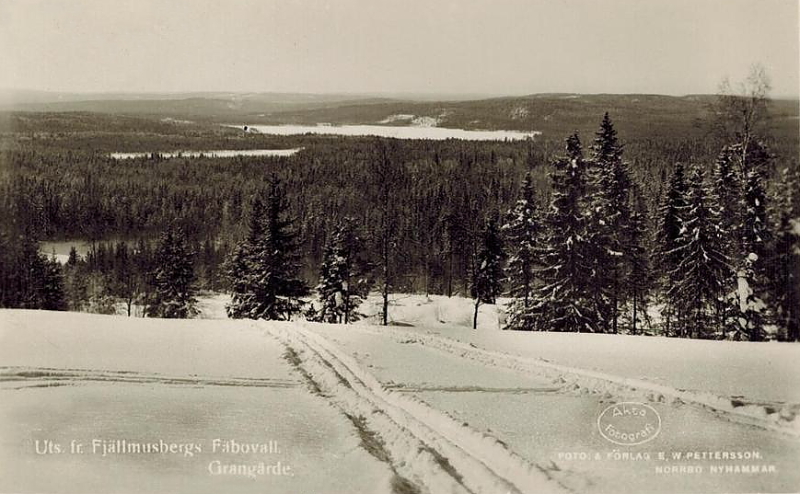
x=399, y=246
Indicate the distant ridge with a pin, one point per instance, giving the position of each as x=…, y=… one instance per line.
x=554, y=114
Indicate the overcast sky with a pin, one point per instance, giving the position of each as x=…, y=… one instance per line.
x=417, y=46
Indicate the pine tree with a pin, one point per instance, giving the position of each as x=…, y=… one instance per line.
x=523, y=231
x=264, y=267
x=340, y=289
x=566, y=298
x=703, y=269
x=488, y=273
x=172, y=278
x=668, y=234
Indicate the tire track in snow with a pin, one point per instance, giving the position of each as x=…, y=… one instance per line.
x=735, y=409
x=427, y=447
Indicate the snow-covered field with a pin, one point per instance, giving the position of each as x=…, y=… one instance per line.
x=424, y=405
x=75, y=377
x=544, y=419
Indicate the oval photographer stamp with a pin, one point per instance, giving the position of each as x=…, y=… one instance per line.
x=629, y=423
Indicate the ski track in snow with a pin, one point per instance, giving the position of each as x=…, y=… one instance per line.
x=32, y=377
x=426, y=446
x=785, y=418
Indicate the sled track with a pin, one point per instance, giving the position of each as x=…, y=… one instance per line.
x=572, y=378
x=424, y=446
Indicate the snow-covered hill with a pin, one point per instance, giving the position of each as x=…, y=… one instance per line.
x=424, y=405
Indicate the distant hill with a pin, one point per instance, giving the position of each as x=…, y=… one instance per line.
x=205, y=104
x=554, y=114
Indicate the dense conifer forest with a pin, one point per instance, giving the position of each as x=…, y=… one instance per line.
x=585, y=232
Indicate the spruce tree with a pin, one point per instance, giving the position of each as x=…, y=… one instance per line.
x=30, y=265
x=728, y=188
x=127, y=283
x=785, y=260
x=667, y=254
x=565, y=301
x=488, y=273
x=523, y=232
x=609, y=223
x=72, y=258
x=172, y=278
x=606, y=149
x=340, y=287
x=755, y=233
x=240, y=266
x=703, y=269
x=639, y=274
x=29, y=279
x=51, y=290
x=75, y=285
x=264, y=267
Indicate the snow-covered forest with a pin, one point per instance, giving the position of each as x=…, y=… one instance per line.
x=584, y=233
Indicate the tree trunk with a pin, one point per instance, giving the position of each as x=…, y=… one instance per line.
x=475, y=316
x=347, y=308
x=427, y=274
x=385, y=302
x=668, y=314
x=527, y=288
x=615, y=304
x=385, y=261
x=450, y=275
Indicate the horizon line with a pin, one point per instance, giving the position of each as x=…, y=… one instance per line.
x=362, y=94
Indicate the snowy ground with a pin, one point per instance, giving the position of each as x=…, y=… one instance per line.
x=546, y=419
x=66, y=377
x=424, y=405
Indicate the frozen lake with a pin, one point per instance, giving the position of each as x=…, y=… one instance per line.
x=398, y=132
x=220, y=153
x=60, y=249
